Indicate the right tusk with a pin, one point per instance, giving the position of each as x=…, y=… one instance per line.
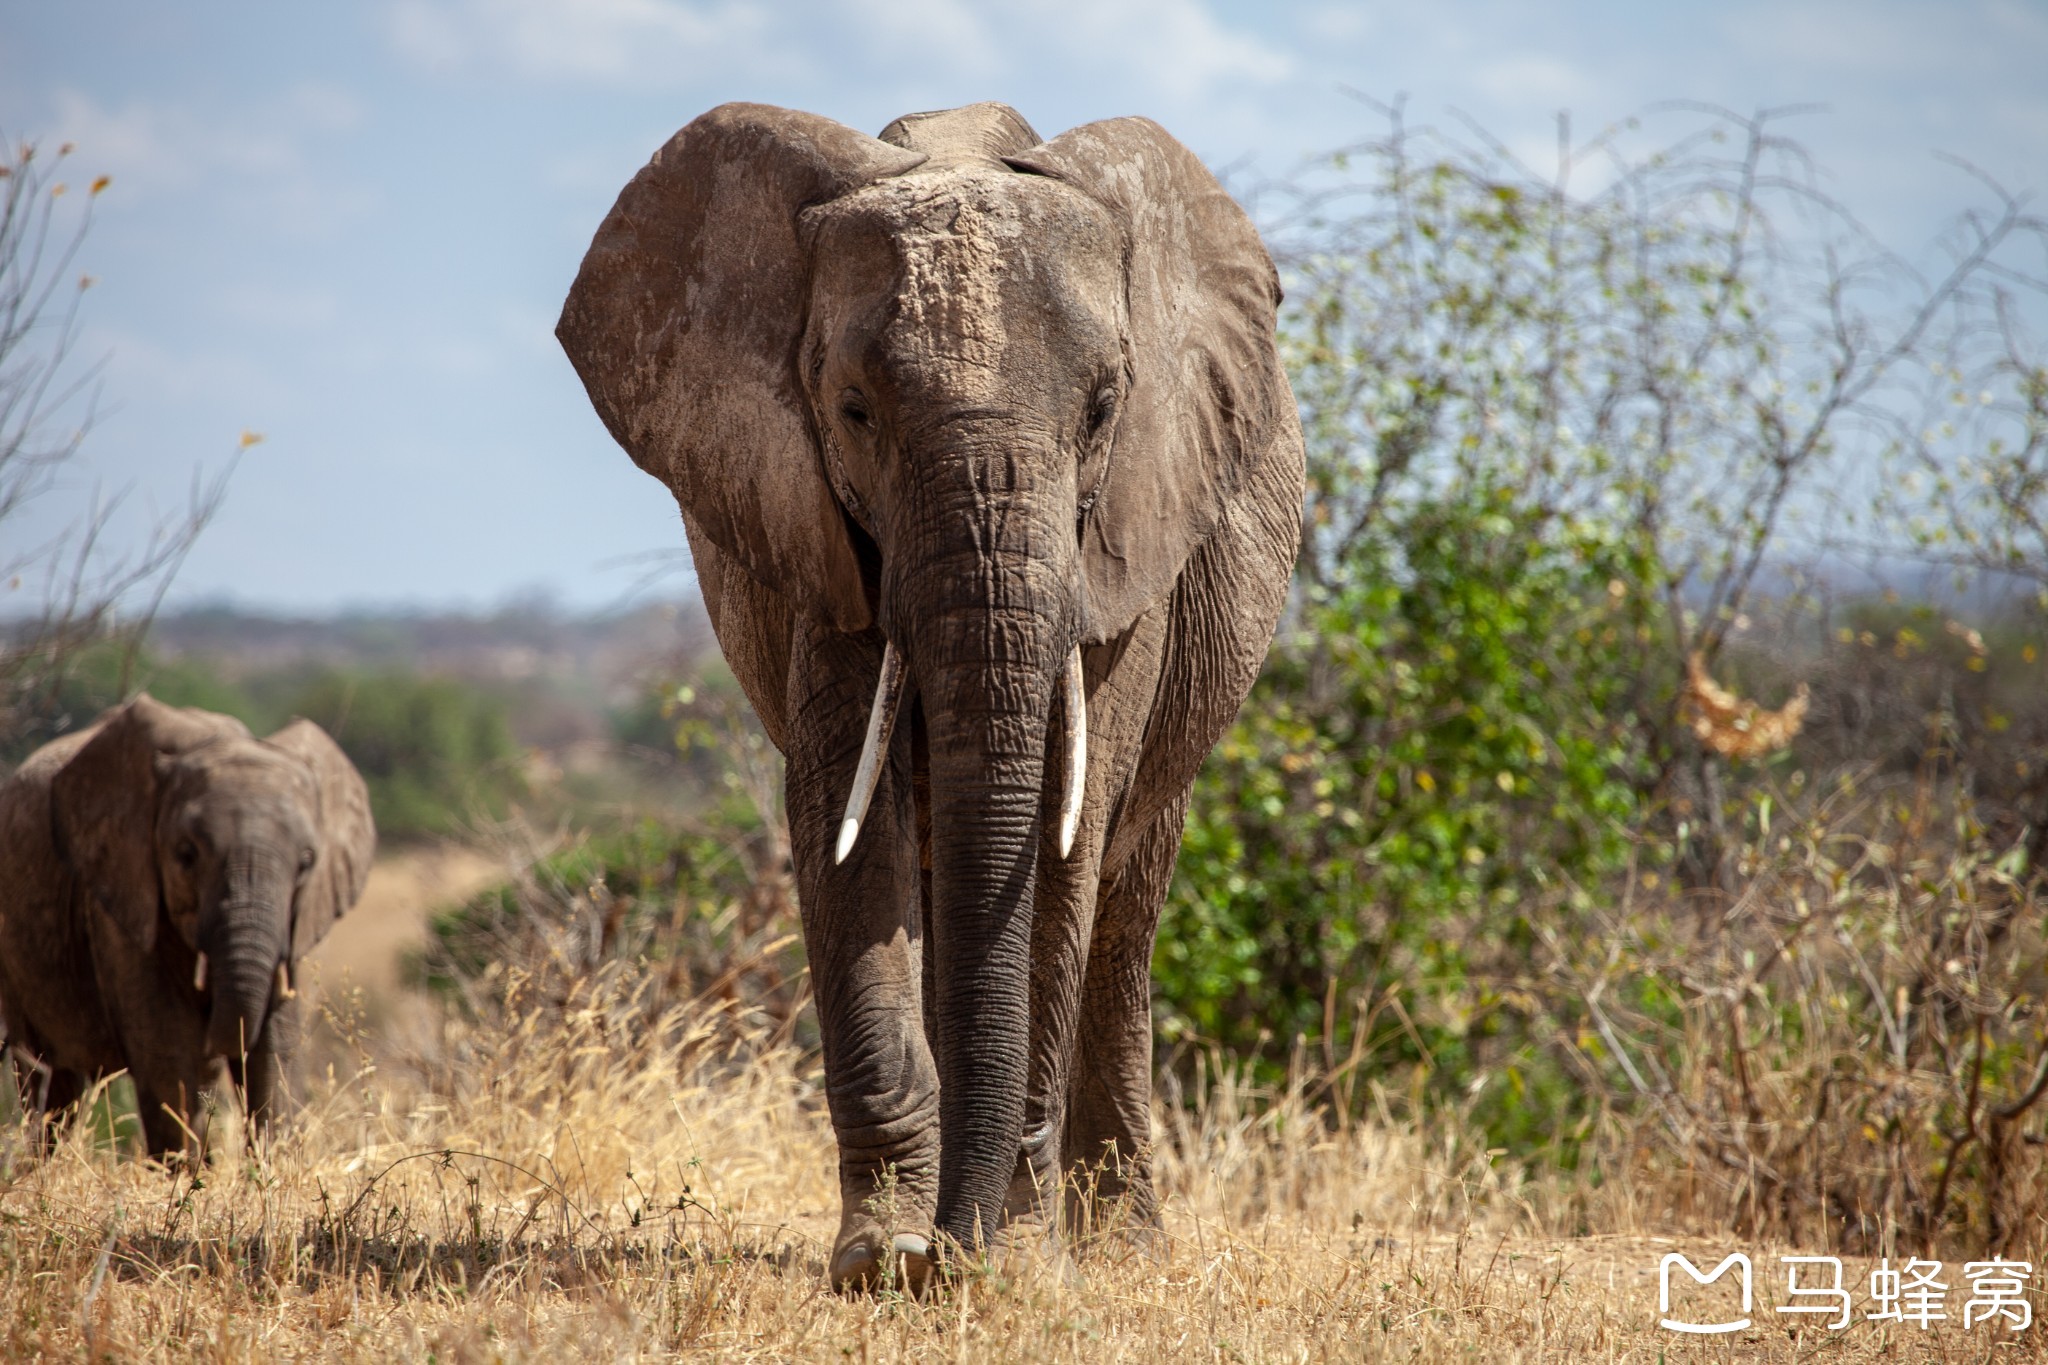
x=881, y=724
x=199, y=974
x=1077, y=752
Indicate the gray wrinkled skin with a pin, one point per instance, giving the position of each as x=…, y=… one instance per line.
x=986, y=397
x=129, y=848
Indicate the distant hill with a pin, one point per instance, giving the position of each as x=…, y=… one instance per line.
x=564, y=672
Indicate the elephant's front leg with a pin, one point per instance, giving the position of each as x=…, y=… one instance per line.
x=1121, y=680
x=44, y=1089
x=1063, y=919
x=862, y=935
x=175, y=1114
x=260, y=1080
x=1109, y=1123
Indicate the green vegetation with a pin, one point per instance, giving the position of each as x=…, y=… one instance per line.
x=1439, y=739
x=436, y=753
x=1468, y=846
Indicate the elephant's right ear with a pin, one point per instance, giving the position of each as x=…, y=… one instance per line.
x=348, y=836
x=684, y=324
x=103, y=804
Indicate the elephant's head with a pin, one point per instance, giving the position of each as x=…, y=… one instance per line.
x=179, y=820
x=982, y=393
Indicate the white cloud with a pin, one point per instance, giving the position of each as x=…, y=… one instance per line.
x=144, y=366
x=1175, y=47
x=1172, y=48
x=257, y=161
x=327, y=108
x=1533, y=81
x=273, y=308
x=591, y=40
x=149, y=147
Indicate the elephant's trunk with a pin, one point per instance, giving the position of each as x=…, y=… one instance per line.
x=244, y=948
x=987, y=625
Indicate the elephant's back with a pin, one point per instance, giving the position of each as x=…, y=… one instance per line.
x=28, y=852
x=39, y=767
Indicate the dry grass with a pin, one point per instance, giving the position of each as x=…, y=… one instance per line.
x=583, y=1173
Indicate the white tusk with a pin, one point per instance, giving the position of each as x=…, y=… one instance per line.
x=1077, y=753
x=284, y=983
x=881, y=724
x=199, y=974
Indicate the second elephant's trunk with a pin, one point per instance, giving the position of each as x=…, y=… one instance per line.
x=244, y=943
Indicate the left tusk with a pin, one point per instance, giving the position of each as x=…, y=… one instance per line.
x=199, y=973
x=284, y=982
x=1077, y=753
x=881, y=724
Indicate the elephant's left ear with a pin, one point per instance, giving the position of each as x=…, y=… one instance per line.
x=103, y=804
x=1208, y=397
x=348, y=835
x=685, y=322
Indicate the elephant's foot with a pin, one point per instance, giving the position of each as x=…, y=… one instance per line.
x=869, y=1262
x=1111, y=1198
x=1033, y=1198
x=56, y=1096
x=883, y=1242
x=174, y=1131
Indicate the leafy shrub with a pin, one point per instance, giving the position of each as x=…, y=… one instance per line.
x=434, y=752
x=105, y=673
x=1557, y=441
x=711, y=905
x=1439, y=740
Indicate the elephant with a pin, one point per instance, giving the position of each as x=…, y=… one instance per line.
x=162, y=874
x=992, y=479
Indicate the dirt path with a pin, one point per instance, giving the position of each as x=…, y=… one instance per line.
x=366, y=946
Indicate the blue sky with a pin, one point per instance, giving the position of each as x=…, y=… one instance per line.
x=349, y=227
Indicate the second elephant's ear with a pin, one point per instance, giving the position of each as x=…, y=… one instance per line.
x=348, y=837
x=1208, y=396
x=104, y=805
x=684, y=324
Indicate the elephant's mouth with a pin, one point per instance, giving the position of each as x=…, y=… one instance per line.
x=240, y=998
x=282, y=981
x=882, y=724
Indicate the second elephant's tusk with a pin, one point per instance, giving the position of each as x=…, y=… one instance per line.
x=284, y=983
x=1076, y=709
x=881, y=725
x=199, y=973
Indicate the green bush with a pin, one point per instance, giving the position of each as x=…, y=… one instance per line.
x=434, y=752
x=108, y=671
x=711, y=903
x=1437, y=753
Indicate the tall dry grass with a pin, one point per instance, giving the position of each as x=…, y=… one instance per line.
x=608, y=1139
x=570, y=1167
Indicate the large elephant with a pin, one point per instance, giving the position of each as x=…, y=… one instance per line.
x=988, y=433
x=161, y=875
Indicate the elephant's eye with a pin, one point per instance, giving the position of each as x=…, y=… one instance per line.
x=1101, y=409
x=305, y=860
x=853, y=406
x=188, y=853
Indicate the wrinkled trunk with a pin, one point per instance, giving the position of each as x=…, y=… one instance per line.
x=987, y=623
x=245, y=944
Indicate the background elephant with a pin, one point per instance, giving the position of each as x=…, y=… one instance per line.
x=965, y=426
x=161, y=875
